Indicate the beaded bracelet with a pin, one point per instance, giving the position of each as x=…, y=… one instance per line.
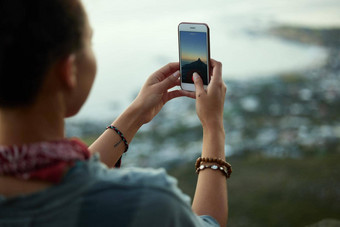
x=214, y=167
x=121, y=136
x=212, y=160
x=219, y=161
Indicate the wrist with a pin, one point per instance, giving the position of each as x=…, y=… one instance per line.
x=213, y=126
x=218, y=133
x=129, y=122
x=214, y=142
x=136, y=114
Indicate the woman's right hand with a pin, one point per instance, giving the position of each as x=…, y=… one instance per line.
x=210, y=102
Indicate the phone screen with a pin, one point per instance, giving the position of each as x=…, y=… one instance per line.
x=193, y=55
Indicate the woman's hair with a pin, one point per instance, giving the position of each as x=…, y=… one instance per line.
x=34, y=34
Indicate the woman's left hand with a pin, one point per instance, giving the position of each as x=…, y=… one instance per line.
x=154, y=94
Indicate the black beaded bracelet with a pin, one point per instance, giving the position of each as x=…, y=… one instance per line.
x=121, y=136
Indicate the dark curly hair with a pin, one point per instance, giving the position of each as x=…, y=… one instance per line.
x=33, y=35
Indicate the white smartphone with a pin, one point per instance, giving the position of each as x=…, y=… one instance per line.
x=194, y=53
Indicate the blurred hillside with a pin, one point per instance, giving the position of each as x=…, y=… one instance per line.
x=327, y=37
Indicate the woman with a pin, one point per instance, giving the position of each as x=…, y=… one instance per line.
x=47, y=69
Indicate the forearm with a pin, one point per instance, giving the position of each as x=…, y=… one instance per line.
x=109, y=144
x=211, y=190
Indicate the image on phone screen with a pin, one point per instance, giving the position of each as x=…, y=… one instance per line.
x=193, y=55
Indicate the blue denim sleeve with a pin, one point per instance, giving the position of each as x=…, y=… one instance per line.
x=209, y=221
x=163, y=208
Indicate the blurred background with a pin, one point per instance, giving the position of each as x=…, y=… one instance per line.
x=281, y=63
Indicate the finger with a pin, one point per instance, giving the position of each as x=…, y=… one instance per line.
x=217, y=71
x=166, y=71
x=177, y=83
x=169, y=82
x=179, y=93
x=198, y=85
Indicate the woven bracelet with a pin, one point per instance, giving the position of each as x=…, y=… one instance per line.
x=119, y=162
x=121, y=136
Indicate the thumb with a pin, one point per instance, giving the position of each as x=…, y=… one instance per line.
x=198, y=83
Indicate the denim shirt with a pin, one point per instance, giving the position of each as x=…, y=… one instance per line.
x=91, y=194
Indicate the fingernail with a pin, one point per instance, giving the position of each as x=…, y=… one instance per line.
x=195, y=75
x=176, y=74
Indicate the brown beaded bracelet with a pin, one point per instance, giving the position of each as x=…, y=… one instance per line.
x=219, y=161
x=211, y=160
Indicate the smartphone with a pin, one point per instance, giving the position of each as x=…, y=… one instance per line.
x=194, y=53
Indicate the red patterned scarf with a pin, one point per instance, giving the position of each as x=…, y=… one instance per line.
x=45, y=161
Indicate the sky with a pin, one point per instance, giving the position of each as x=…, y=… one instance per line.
x=193, y=46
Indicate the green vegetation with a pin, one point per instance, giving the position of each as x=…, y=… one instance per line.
x=277, y=192
x=89, y=140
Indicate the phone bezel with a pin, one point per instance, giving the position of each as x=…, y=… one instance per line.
x=194, y=27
